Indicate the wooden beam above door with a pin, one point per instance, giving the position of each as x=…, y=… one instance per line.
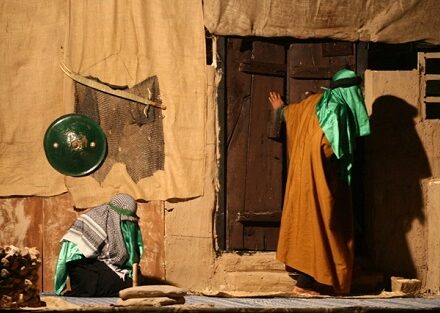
x=263, y=68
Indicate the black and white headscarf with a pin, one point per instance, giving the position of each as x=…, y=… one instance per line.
x=97, y=233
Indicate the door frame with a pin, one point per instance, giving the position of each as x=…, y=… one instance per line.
x=221, y=221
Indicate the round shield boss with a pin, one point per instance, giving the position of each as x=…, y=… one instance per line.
x=75, y=145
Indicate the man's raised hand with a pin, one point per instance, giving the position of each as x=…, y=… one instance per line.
x=275, y=100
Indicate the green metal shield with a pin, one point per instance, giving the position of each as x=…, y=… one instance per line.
x=75, y=145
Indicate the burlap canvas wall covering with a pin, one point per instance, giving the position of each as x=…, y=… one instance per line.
x=31, y=93
x=124, y=43
x=121, y=43
x=365, y=20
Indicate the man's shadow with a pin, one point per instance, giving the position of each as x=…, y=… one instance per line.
x=395, y=164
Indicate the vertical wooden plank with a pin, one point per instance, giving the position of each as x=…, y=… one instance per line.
x=254, y=162
x=58, y=215
x=152, y=224
x=220, y=218
x=358, y=184
x=238, y=87
x=264, y=174
x=21, y=223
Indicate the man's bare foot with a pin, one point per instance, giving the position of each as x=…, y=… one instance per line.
x=304, y=292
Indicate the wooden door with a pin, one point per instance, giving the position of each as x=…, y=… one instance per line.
x=254, y=162
x=255, y=166
x=312, y=65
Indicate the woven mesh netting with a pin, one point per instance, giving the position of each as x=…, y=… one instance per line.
x=134, y=133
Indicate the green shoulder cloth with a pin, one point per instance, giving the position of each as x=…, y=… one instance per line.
x=134, y=244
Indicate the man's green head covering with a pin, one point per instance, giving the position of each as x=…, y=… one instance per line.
x=343, y=117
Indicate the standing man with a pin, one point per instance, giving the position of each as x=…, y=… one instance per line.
x=316, y=234
x=98, y=251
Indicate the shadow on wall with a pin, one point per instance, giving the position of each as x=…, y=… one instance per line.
x=395, y=164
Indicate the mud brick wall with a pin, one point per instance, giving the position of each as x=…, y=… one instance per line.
x=401, y=168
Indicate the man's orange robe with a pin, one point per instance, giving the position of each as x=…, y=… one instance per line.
x=316, y=234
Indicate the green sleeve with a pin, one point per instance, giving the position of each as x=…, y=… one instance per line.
x=133, y=242
x=68, y=252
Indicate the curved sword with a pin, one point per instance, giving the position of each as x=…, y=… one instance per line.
x=107, y=89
